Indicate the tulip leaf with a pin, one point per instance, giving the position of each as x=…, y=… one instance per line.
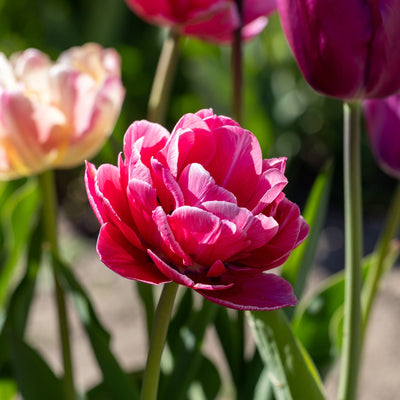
x=263, y=389
x=317, y=321
x=185, y=349
x=8, y=389
x=17, y=214
x=116, y=382
x=20, y=300
x=36, y=381
x=227, y=330
x=290, y=369
x=207, y=383
x=297, y=267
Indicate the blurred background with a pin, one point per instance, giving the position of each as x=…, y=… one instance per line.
x=286, y=115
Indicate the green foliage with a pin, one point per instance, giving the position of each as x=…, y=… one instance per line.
x=115, y=381
x=290, y=369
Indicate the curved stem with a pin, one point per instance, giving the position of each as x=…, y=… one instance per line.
x=157, y=342
x=47, y=186
x=382, y=249
x=351, y=348
x=163, y=78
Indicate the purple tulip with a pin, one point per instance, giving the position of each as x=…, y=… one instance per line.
x=383, y=125
x=348, y=49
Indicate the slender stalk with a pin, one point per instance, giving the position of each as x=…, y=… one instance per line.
x=237, y=113
x=163, y=78
x=46, y=183
x=351, y=349
x=157, y=342
x=237, y=70
x=372, y=282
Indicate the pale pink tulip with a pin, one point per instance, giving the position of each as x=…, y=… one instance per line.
x=199, y=207
x=210, y=20
x=56, y=115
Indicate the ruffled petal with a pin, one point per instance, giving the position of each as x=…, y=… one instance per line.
x=260, y=292
x=198, y=187
x=205, y=237
x=183, y=279
x=238, y=161
x=292, y=231
x=145, y=139
x=168, y=191
x=117, y=253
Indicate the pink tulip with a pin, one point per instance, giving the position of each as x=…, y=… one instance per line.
x=56, y=115
x=383, y=126
x=199, y=207
x=210, y=20
x=348, y=49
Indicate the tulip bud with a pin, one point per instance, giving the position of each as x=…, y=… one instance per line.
x=210, y=20
x=348, y=49
x=56, y=115
x=383, y=126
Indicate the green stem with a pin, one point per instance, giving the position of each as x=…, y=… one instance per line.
x=351, y=348
x=372, y=281
x=163, y=78
x=47, y=186
x=237, y=76
x=157, y=342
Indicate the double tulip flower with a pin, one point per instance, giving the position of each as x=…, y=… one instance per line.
x=56, y=114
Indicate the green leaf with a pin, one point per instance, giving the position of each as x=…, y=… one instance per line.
x=317, y=321
x=297, y=267
x=207, y=384
x=291, y=370
x=226, y=325
x=17, y=217
x=21, y=299
x=263, y=389
x=185, y=350
x=115, y=381
x=8, y=389
x=36, y=381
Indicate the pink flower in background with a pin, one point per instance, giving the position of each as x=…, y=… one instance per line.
x=199, y=207
x=383, y=126
x=345, y=48
x=56, y=115
x=210, y=20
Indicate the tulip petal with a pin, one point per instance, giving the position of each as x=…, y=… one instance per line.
x=169, y=244
x=198, y=187
x=169, y=193
x=144, y=138
x=183, y=279
x=239, y=160
x=204, y=237
x=187, y=147
x=118, y=254
x=260, y=292
x=292, y=231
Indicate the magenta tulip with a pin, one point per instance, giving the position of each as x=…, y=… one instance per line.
x=349, y=49
x=199, y=207
x=210, y=20
x=383, y=126
x=56, y=114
